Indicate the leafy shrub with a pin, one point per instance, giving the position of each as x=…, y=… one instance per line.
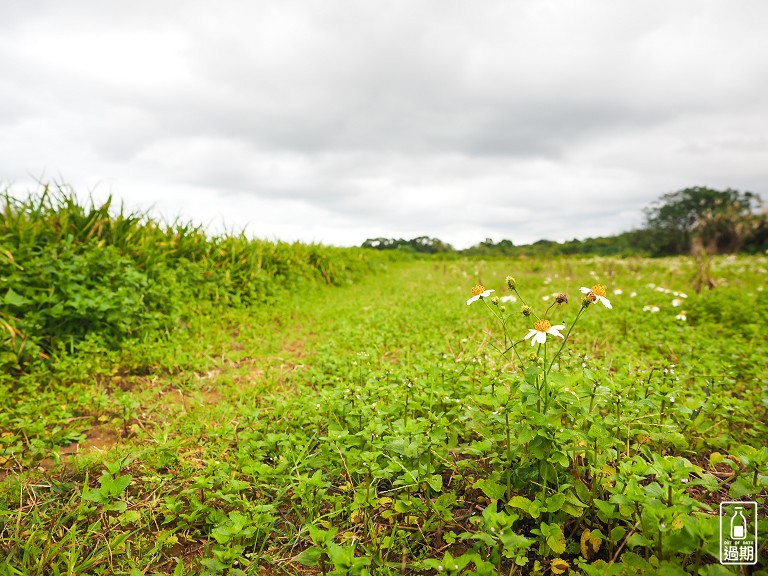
x=71, y=270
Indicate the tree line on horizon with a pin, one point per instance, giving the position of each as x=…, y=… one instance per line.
x=692, y=220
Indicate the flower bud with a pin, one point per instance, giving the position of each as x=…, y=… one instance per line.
x=511, y=282
x=526, y=310
x=495, y=300
x=562, y=298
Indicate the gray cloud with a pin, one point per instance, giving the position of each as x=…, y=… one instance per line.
x=455, y=119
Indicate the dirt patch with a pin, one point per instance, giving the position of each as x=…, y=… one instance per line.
x=211, y=396
x=294, y=348
x=190, y=553
x=723, y=472
x=101, y=438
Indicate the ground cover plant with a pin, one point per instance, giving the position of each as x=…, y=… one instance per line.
x=384, y=426
x=76, y=271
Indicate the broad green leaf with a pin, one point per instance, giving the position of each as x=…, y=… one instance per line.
x=435, y=482
x=555, y=502
x=741, y=487
x=213, y=565
x=555, y=538
x=617, y=533
x=14, y=299
x=310, y=556
x=531, y=374
x=490, y=488
x=520, y=502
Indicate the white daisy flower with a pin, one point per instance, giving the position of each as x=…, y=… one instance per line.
x=632, y=294
x=540, y=330
x=508, y=298
x=681, y=316
x=478, y=292
x=618, y=292
x=676, y=302
x=597, y=294
x=651, y=308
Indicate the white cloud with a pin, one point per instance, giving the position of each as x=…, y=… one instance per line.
x=341, y=120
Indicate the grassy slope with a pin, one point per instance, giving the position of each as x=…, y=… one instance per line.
x=367, y=409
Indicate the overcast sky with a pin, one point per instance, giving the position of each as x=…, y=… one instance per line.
x=335, y=121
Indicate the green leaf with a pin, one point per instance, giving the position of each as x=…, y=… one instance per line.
x=113, y=487
x=555, y=502
x=490, y=488
x=435, y=482
x=559, y=458
x=213, y=565
x=535, y=509
x=320, y=536
x=555, y=538
x=531, y=374
x=310, y=556
x=513, y=542
x=483, y=537
x=14, y=299
x=617, y=533
x=683, y=540
x=715, y=458
x=638, y=539
x=118, y=506
x=634, y=561
x=222, y=534
x=741, y=487
x=341, y=556
x=668, y=569
x=520, y=502
x=525, y=434
x=715, y=570
x=621, y=499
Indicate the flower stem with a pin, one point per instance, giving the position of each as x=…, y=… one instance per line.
x=567, y=334
x=545, y=384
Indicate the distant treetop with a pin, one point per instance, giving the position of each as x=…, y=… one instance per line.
x=698, y=218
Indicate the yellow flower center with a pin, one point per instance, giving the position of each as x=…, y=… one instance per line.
x=599, y=290
x=479, y=289
x=542, y=325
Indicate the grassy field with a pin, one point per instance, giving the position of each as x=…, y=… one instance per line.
x=383, y=426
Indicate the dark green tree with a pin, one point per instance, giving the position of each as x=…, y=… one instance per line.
x=720, y=221
x=420, y=244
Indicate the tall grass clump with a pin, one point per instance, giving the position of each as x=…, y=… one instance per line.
x=73, y=270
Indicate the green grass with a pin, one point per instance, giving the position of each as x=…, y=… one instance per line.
x=75, y=272
x=373, y=427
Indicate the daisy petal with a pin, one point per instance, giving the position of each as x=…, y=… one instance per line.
x=605, y=301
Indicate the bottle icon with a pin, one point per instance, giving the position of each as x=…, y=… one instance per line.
x=738, y=524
